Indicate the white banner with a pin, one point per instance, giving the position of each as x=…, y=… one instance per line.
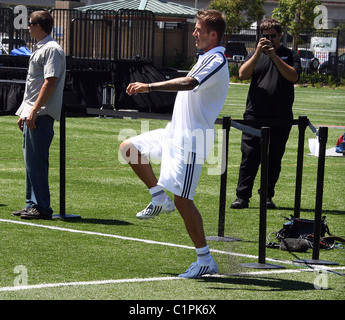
x=323, y=44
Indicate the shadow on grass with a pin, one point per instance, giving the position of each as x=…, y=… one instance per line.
x=258, y=284
x=108, y=222
x=251, y=283
x=313, y=210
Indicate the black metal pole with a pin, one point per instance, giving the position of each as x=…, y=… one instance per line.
x=63, y=162
x=224, y=174
x=226, y=122
x=261, y=264
x=323, y=135
x=302, y=125
x=265, y=136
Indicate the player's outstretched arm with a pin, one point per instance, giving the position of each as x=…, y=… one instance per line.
x=178, y=84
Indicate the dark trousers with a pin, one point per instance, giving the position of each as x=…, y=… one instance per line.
x=251, y=158
x=36, y=144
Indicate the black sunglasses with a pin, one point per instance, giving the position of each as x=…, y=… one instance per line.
x=268, y=36
x=31, y=23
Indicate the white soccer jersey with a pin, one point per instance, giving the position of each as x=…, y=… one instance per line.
x=195, y=111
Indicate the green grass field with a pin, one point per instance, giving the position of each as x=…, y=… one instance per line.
x=111, y=255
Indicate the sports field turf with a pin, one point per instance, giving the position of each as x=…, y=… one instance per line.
x=111, y=255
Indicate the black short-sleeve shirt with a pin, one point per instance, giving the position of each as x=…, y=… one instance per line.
x=270, y=94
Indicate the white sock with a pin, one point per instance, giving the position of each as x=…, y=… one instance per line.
x=204, y=255
x=158, y=195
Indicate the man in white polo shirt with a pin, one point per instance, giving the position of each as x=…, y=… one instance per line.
x=40, y=107
x=183, y=145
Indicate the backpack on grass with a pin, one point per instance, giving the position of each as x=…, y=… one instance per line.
x=300, y=228
x=297, y=235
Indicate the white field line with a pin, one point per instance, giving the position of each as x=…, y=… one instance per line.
x=138, y=280
x=319, y=110
x=84, y=283
x=137, y=240
x=134, y=280
x=277, y=271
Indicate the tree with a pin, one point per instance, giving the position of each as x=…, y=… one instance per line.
x=240, y=14
x=295, y=15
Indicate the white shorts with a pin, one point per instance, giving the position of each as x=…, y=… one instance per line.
x=180, y=170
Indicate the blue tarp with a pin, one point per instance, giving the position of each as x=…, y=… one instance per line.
x=22, y=51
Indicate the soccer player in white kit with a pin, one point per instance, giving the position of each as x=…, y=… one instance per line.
x=183, y=145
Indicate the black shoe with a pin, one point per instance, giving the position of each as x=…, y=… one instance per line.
x=18, y=212
x=270, y=204
x=240, y=204
x=33, y=213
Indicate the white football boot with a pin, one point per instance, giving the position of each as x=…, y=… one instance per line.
x=153, y=210
x=197, y=270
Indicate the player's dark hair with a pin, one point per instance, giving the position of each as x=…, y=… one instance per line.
x=214, y=21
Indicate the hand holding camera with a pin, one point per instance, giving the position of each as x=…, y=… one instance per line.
x=266, y=44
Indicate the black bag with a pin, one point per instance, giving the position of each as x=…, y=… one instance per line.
x=300, y=228
x=297, y=232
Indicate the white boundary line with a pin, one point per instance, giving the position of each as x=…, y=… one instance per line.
x=134, y=280
x=84, y=283
x=137, y=280
x=138, y=240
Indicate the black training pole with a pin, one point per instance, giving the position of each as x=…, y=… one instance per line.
x=63, y=214
x=323, y=135
x=302, y=125
x=265, y=136
x=63, y=162
x=223, y=181
x=223, y=177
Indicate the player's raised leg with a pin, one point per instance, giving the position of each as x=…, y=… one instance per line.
x=160, y=203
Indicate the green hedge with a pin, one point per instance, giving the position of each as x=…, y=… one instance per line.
x=311, y=79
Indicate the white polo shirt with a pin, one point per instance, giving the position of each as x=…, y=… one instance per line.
x=195, y=111
x=48, y=60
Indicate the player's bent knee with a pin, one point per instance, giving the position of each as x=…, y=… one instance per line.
x=129, y=152
x=125, y=147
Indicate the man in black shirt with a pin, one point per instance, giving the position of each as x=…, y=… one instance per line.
x=274, y=69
